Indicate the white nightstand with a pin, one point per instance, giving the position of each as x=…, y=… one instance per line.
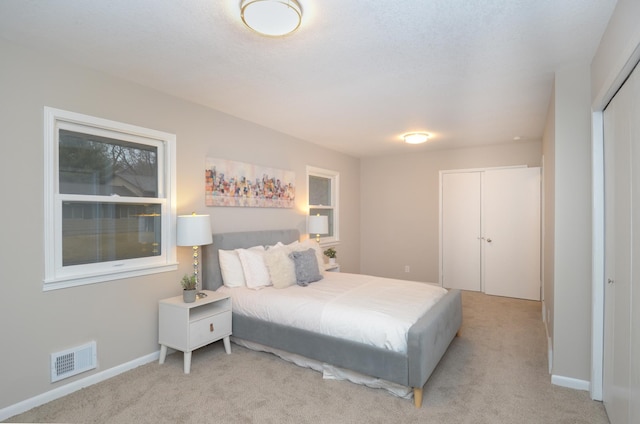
x=189, y=326
x=332, y=267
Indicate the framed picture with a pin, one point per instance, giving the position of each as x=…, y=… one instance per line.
x=230, y=183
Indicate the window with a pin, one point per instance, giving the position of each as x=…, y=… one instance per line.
x=109, y=200
x=323, y=199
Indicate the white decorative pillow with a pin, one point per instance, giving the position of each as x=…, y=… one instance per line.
x=231, y=268
x=280, y=266
x=255, y=270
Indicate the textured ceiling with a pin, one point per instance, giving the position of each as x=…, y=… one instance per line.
x=354, y=77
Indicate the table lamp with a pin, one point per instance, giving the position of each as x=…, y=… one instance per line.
x=318, y=224
x=194, y=230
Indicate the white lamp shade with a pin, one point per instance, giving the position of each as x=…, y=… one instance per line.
x=318, y=224
x=193, y=230
x=272, y=17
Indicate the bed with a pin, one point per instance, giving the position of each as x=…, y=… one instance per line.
x=427, y=339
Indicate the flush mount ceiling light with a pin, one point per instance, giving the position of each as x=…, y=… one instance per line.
x=416, y=138
x=273, y=18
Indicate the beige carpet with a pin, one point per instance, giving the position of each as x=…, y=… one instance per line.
x=495, y=372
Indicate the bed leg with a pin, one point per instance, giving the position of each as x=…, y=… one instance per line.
x=459, y=333
x=417, y=397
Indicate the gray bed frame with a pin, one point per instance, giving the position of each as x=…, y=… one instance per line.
x=427, y=342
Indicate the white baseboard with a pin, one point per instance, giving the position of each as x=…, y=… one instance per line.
x=571, y=383
x=74, y=386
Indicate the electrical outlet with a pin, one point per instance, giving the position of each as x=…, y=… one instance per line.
x=407, y=268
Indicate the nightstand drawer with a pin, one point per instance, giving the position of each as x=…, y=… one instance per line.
x=209, y=329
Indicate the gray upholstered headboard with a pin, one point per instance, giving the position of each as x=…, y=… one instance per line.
x=211, y=275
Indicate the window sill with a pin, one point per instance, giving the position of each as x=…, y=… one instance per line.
x=63, y=283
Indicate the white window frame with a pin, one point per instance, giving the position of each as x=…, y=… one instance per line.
x=334, y=177
x=58, y=276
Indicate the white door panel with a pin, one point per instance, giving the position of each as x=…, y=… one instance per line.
x=621, y=373
x=511, y=232
x=461, y=230
x=634, y=339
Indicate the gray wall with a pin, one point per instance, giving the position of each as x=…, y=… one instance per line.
x=400, y=205
x=571, y=202
x=121, y=315
x=548, y=218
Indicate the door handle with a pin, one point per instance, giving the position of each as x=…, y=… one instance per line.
x=610, y=281
x=488, y=240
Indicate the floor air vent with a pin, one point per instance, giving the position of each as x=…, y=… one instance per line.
x=73, y=361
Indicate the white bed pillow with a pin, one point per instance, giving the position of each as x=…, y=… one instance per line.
x=255, y=270
x=231, y=268
x=280, y=266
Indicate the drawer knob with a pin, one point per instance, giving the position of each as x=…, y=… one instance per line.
x=211, y=327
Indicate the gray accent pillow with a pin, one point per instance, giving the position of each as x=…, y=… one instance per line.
x=306, y=265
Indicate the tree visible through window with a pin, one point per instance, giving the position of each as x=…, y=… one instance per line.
x=95, y=232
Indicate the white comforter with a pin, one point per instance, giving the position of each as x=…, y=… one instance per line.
x=372, y=310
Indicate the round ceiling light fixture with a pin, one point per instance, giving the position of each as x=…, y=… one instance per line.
x=416, y=137
x=273, y=18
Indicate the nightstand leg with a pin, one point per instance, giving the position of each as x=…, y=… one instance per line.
x=187, y=362
x=163, y=353
x=227, y=345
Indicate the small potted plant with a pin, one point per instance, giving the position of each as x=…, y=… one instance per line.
x=188, y=283
x=331, y=254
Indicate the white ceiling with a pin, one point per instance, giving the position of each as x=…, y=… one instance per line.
x=354, y=77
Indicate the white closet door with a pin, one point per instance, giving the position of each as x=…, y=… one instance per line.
x=621, y=389
x=461, y=230
x=511, y=232
x=634, y=353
